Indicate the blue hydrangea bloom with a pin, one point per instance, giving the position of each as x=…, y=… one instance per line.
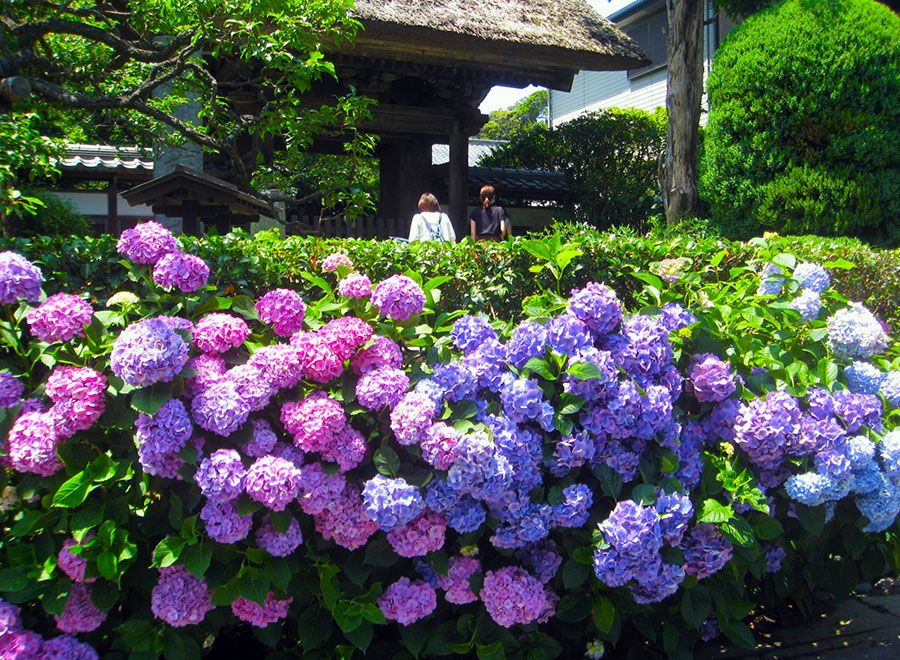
x=771, y=281
x=597, y=306
x=575, y=508
x=456, y=381
x=593, y=389
x=567, y=334
x=812, y=277
x=890, y=454
x=881, y=505
x=469, y=332
x=854, y=332
x=674, y=317
x=813, y=489
x=675, y=512
x=643, y=349
x=522, y=399
x=480, y=469
x=863, y=377
x=528, y=340
x=391, y=503
x=890, y=388
x=808, y=304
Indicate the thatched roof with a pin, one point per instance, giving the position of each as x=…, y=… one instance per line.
x=532, y=37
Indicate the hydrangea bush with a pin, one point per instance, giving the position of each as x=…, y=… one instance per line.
x=365, y=472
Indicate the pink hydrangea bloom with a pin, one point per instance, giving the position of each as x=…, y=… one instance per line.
x=333, y=261
x=344, y=520
x=73, y=565
x=262, y=441
x=78, y=398
x=511, y=595
x=381, y=387
x=179, y=598
x=439, y=445
x=383, y=352
x=272, y=610
x=314, y=422
x=279, y=365
x=22, y=645
x=420, y=536
x=276, y=543
x=146, y=243
x=348, y=449
x=318, y=362
x=273, y=482
x=283, y=309
x=32, y=445
x=80, y=615
x=411, y=417
x=398, y=298
x=181, y=271
x=344, y=335
x=61, y=317
x=456, y=582
x=406, y=602
x=218, y=333
x=355, y=285
x=208, y=369
x=318, y=489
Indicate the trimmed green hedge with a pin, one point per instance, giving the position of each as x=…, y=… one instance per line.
x=489, y=277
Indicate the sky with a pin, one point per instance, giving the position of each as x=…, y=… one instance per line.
x=500, y=98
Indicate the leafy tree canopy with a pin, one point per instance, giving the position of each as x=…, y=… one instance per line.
x=121, y=71
x=504, y=124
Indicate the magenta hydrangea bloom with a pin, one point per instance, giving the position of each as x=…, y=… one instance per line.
x=335, y=260
x=278, y=364
x=146, y=243
x=251, y=386
x=318, y=489
x=66, y=647
x=78, y=398
x=381, y=387
x=262, y=441
x=406, y=602
x=314, y=422
x=148, y=352
x=355, y=285
x=456, y=582
x=80, y=615
x=398, y=297
x=74, y=566
x=276, y=543
x=438, y=446
x=511, y=595
x=344, y=335
x=208, y=369
x=11, y=390
x=61, y=317
x=224, y=523
x=179, y=598
x=344, y=521
x=383, y=352
x=283, y=309
x=318, y=362
x=411, y=417
x=218, y=332
x=178, y=270
x=22, y=645
x=711, y=378
x=273, y=482
x=220, y=475
x=10, y=618
x=271, y=611
x=348, y=450
x=420, y=536
x=32, y=445
x=19, y=279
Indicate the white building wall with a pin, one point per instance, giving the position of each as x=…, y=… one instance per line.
x=94, y=204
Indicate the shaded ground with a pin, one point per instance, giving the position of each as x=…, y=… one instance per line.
x=864, y=627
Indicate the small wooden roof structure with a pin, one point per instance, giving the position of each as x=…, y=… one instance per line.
x=195, y=196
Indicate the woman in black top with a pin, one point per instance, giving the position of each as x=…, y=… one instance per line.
x=489, y=222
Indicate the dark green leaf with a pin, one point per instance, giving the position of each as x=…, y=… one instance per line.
x=150, y=399
x=604, y=614
x=695, y=606
x=414, y=638
x=197, y=558
x=386, y=460
x=739, y=634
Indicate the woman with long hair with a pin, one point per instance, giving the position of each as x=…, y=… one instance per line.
x=489, y=222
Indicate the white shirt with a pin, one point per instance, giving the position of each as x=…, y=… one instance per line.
x=431, y=226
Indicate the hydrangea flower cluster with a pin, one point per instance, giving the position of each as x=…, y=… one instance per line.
x=398, y=298
x=854, y=332
x=19, y=279
x=218, y=333
x=355, y=285
x=148, y=352
x=336, y=260
x=179, y=598
x=61, y=317
x=512, y=596
x=406, y=602
x=11, y=390
x=270, y=611
x=17, y=642
x=284, y=310
x=80, y=615
x=146, y=243
x=182, y=271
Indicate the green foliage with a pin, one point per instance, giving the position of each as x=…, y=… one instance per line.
x=56, y=217
x=27, y=155
x=609, y=156
x=803, y=124
x=520, y=117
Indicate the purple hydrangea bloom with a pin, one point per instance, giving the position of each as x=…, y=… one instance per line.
x=271, y=611
x=74, y=566
x=66, y=647
x=438, y=445
x=10, y=618
x=890, y=388
x=276, y=543
x=597, y=306
x=766, y=428
x=11, y=390
x=419, y=536
x=220, y=408
x=575, y=508
x=863, y=377
x=218, y=333
x=319, y=489
x=542, y=558
x=344, y=520
x=146, y=243
x=572, y=452
x=643, y=349
x=161, y=437
x=348, y=450
x=178, y=270
x=251, y=386
x=512, y=596
x=19, y=279
x=26, y=645
x=673, y=317
x=634, y=540
x=273, y=482
x=480, y=469
x=660, y=581
x=80, y=615
x=523, y=400
x=31, y=445
x=383, y=352
x=355, y=285
x=706, y=551
x=262, y=441
x=220, y=475
x=711, y=378
x=471, y=331
x=411, y=417
x=406, y=602
x=567, y=334
x=60, y=318
x=179, y=598
x=857, y=411
x=391, y=503
x=812, y=277
x=774, y=556
x=456, y=583
x=771, y=281
x=675, y=513
x=454, y=381
x=528, y=340
x=381, y=387
x=808, y=304
x=398, y=297
x=283, y=309
x=223, y=522
x=854, y=332
x=148, y=352
x=278, y=365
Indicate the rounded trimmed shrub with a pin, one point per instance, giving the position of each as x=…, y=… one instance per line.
x=803, y=126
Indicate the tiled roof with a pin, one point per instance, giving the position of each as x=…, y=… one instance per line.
x=106, y=157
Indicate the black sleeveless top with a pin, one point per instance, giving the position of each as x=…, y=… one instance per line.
x=487, y=221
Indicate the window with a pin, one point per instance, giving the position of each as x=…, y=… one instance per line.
x=650, y=34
